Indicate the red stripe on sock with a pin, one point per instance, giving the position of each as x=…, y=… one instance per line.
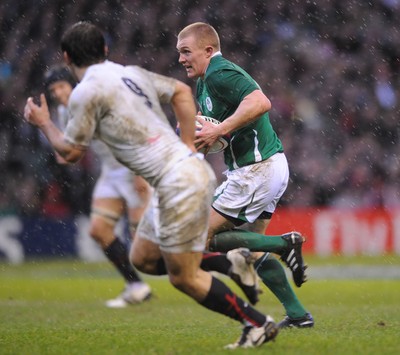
x=210, y=255
x=244, y=316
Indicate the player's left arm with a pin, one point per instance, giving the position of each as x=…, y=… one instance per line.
x=39, y=116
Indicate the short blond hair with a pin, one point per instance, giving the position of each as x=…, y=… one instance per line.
x=205, y=34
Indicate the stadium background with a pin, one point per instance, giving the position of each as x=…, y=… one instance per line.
x=330, y=69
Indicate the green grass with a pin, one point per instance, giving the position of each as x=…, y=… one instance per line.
x=58, y=308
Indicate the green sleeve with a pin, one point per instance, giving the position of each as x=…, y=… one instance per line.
x=230, y=86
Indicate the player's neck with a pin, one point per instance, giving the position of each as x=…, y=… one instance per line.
x=79, y=72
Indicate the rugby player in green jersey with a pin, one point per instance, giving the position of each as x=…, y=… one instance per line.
x=257, y=173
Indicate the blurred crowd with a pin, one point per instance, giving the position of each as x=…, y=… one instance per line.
x=330, y=69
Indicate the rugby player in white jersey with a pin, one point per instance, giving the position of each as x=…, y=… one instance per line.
x=118, y=187
x=118, y=191
x=122, y=107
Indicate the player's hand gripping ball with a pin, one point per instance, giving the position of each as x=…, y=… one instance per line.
x=221, y=142
x=219, y=145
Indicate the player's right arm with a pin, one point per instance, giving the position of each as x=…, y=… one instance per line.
x=40, y=116
x=249, y=109
x=185, y=111
x=247, y=98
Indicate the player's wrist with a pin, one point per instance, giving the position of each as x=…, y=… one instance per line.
x=44, y=122
x=223, y=129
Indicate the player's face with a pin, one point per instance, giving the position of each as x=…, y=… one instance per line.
x=195, y=59
x=60, y=91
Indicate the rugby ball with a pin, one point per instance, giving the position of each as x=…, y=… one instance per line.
x=221, y=142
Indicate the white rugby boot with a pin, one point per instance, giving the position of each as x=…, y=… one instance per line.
x=134, y=293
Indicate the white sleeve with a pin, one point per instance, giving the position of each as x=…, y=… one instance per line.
x=164, y=85
x=82, y=121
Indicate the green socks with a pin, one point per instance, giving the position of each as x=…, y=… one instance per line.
x=268, y=268
x=273, y=275
x=237, y=238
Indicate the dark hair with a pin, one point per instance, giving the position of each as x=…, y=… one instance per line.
x=58, y=73
x=84, y=44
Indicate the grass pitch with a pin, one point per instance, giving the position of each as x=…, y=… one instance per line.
x=58, y=308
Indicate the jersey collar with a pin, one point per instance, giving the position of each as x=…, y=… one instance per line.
x=217, y=53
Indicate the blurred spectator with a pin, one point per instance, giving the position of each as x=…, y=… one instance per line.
x=329, y=67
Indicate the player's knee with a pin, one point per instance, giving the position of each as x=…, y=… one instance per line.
x=178, y=282
x=139, y=264
x=209, y=240
x=145, y=265
x=183, y=283
x=102, y=224
x=210, y=237
x=138, y=261
x=146, y=257
x=96, y=232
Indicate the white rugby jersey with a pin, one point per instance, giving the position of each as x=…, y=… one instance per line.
x=106, y=158
x=62, y=116
x=121, y=105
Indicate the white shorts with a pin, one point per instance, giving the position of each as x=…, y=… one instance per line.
x=178, y=214
x=251, y=190
x=117, y=183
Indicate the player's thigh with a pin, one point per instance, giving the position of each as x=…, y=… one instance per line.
x=217, y=224
x=115, y=205
x=114, y=191
x=105, y=213
x=184, y=197
x=134, y=215
x=145, y=251
x=258, y=226
x=136, y=193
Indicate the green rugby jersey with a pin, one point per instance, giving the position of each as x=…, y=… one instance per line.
x=224, y=86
